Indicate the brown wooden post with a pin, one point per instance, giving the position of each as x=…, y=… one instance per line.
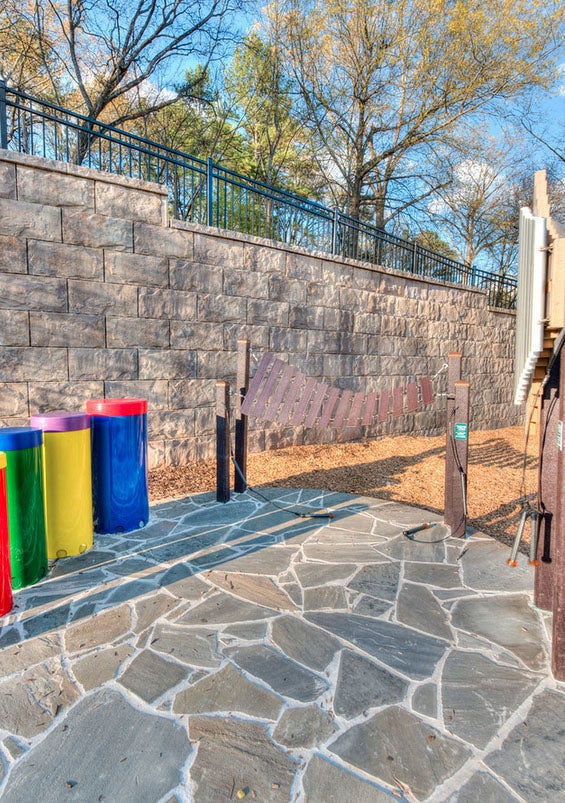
x=558, y=643
x=242, y=385
x=453, y=376
x=223, y=441
x=547, y=498
x=457, y=447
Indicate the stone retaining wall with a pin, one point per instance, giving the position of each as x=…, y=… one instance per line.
x=102, y=295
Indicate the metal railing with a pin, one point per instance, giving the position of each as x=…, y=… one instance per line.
x=204, y=192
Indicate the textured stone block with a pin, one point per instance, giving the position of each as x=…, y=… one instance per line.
x=7, y=180
x=161, y=303
x=97, y=231
x=272, y=313
x=171, y=424
x=264, y=258
x=54, y=189
x=64, y=260
x=196, y=335
x=303, y=317
x=340, y=320
x=124, y=268
x=322, y=295
x=216, y=365
x=161, y=241
x=129, y=203
x=217, y=250
x=46, y=396
x=30, y=220
x=258, y=336
x=65, y=330
x=181, y=452
x=324, y=342
x=132, y=332
x=100, y=298
x=155, y=453
x=291, y=340
x=205, y=420
x=283, y=289
x=14, y=327
x=190, y=393
x=102, y=364
x=13, y=399
x=156, y=392
x=194, y=276
x=166, y=364
x=245, y=283
x=13, y=256
x=20, y=364
x=222, y=308
x=302, y=266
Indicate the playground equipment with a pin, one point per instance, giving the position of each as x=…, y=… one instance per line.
x=5, y=572
x=67, y=481
x=279, y=392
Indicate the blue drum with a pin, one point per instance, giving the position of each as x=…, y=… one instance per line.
x=119, y=464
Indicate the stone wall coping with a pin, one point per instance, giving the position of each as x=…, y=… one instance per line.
x=53, y=166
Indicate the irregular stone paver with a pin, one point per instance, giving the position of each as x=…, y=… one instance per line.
x=99, y=629
x=478, y=695
x=233, y=756
x=324, y=782
x=316, y=599
x=380, y=580
x=412, y=653
x=80, y=563
x=433, y=574
x=361, y=685
x=340, y=553
x=224, y=609
x=506, y=620
x=260, y=590
x=93, y=670
x=30, y=701
x=531, y=759
x=28, y=653
x=417, y=607
x=404, y=549
x=107, y=750
x=304, y=727
x=334, y=535
x=304, y=643
x=484, y=567
x=194, y=646
x=263, y=561
x=406, y=515
x=319, y=574
x=149, y=609
x=371, y=606
x=281, y=674
x=250, y=632
x=396, y=746
x=227, y=690
x=181, y=581
x=424, y=700
x=150, y=676
x=484, y=788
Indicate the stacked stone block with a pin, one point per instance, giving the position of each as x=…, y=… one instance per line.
x=102, y=294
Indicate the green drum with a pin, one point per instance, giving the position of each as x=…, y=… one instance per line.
x=26, y=518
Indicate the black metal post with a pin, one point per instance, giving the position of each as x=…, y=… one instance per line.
x=3, y=117
x=222, y=441
x=242, y=384
x=210, y=192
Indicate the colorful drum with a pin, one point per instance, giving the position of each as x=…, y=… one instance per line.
x=5, y=574
x=26, y=518
x=119, y=464
x=67, y=480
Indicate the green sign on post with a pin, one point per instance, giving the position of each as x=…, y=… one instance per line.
x=460, y=432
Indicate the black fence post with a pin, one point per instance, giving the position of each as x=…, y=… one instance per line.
x=223, y=441
x=242, y=385
x=335, y=231
x=210, y=192
x=3, y=117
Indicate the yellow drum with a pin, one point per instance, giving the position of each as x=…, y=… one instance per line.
x=68, y=482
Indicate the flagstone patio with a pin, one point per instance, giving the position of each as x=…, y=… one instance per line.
x=240, y=652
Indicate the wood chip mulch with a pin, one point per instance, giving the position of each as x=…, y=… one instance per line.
x=404, y=468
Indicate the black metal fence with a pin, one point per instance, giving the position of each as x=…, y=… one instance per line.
x=204, y=192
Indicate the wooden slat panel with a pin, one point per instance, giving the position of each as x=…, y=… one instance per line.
x=384, y=401
x=412, y=403
x=427, y=390
x=343, y=408
x=316, y=405
x=272, y=408
x=305, y=396
x=398, y=402
x=356, y=408
x=329, y=406
x=369, y=412
x=255, y=383
x=268, y=388
x=291, y=396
